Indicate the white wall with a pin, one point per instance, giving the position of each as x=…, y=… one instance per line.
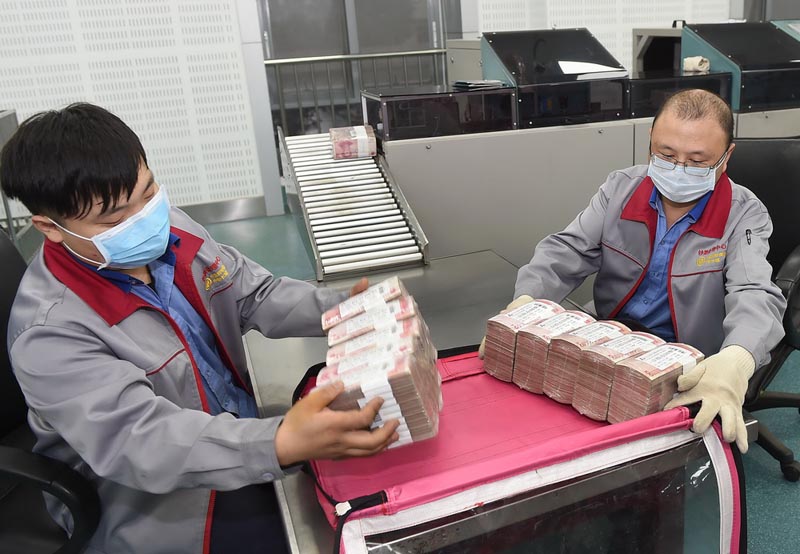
x=172, y=69
x=611, y=21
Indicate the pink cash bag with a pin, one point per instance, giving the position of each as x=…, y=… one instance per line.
x=495, y=440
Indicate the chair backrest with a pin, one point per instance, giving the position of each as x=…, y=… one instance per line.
x=12, y=404
x=770, y=167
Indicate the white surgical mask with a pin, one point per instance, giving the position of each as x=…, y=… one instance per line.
x=135, y=242
x=679, y=186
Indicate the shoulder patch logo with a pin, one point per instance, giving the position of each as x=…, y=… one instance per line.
x=215, y=273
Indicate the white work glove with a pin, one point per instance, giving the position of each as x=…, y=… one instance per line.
x=519, y=301
x=720, y=383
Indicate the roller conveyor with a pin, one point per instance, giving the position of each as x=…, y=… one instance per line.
x=356, y=217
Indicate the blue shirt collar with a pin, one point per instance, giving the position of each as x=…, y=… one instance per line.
x=693, y=215
x=125, y=281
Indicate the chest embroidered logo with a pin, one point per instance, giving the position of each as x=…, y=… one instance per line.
x=214, y=273
x=713, y=255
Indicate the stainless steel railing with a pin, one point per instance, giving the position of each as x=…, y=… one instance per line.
x=311, y=95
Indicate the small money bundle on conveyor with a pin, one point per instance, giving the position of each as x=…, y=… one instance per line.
x=596, y=371
x=644, y=384
x=565, y=355
x=353, y=142
x=381, y=346
x=501, y=335
x=533, y=343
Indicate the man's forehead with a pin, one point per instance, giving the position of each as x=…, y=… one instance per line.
x=669, y=128
x=100, y=208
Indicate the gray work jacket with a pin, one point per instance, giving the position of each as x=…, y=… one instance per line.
x=114, y=391
x=719, y=283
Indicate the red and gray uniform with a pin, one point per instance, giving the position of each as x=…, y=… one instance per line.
x=719, y=284
x=114, y=391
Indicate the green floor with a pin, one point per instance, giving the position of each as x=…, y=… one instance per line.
x=274, y=242
x=773, y=504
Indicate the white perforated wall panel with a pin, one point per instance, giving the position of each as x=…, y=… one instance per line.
x=611, y=21
x=171, y=69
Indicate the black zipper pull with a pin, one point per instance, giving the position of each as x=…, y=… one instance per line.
x=748, y=232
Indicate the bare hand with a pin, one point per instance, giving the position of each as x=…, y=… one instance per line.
x=311, y=430
x=359, y=287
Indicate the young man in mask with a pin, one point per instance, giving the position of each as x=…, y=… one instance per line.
x=126, y=338
x=680, y=249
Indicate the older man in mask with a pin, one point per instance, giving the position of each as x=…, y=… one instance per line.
x=681, y=249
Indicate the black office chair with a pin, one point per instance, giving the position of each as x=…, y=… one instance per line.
x=25, y=525
x=771, y=169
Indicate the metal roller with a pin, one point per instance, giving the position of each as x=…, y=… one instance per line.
x=330, y=199
x=387, y=229
x=333, y=269
x=375, y=197
x=372, y=230
x=305, y=149
x=332, y=172
x=367, y=172
x=369, y=189
x=341, y=179
x=373, y=255
x=339, y=244
x=307, y=138
x=344, y=206
x=329, y=255
x=348, y=182
x=323, y=164
x=308, y=149
x=312, y=158
x=342, y=217
x=318, y=229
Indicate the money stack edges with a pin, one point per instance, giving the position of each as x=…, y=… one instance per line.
x=501, y=335
x=533, y=343
x=353, y=142
x=381, y=348
x=565, y=355
x=377, y=318
x=596, y=371
x=644, y=384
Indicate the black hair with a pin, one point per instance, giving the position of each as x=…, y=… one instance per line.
x=58, y=163
x=695, y=104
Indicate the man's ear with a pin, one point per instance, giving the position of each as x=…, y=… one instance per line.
x=45, y=226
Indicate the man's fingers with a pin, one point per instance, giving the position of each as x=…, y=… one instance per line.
x=733, y=427
x=481, y=348
x=682, y=400
x=352, y=420
x=688, y=381
x=367, y=443
x=319, y=398
x=741, y=434
x=708, y=411
x=361, y=286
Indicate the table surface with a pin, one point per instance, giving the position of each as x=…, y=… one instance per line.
x=456, y=295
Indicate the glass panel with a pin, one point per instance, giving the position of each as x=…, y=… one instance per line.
x=752, y=45
x=571, y=103
x=392, y=26
x=553, y=56
x=770, y=90
x=300, y=28
x=650, y=89
x=663, y=504
x=446, y=113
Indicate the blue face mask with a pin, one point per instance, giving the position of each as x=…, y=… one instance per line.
x=135, y=242
x=678, y=184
